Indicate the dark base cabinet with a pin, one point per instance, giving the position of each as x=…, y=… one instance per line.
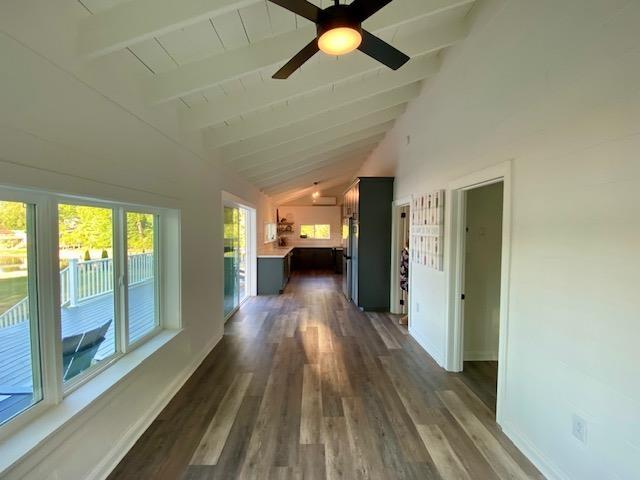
x=313, y=259
x=273, y=274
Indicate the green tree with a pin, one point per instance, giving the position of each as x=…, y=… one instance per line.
x=85, y=227
x=139, y=232
x=13, y=216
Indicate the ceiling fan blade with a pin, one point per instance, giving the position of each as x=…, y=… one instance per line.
x=296, y=62
x=365, y=8
x=382, y=51
x=300, y=7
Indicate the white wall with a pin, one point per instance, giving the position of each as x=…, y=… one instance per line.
x=553, y=86
x=483, y=252
x=304, y=215
x=60, y=131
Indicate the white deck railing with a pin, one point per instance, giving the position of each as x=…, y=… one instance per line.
x=82, y=281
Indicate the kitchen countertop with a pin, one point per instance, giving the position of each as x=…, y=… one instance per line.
x=281, y=252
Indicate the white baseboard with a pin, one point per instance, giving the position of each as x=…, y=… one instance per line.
x=481, y=356
x=541, y=462
x=121, y=448
x=433, y=352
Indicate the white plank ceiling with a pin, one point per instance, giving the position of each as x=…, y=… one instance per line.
x=213, y=59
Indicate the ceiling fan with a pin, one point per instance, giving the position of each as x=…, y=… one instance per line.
x=340, y=31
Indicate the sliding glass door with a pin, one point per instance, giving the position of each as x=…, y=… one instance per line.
x=236, y=241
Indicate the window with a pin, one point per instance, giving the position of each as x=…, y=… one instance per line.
x=87, y=300
x=317, y=232
x=20, y=378
x=89, y=294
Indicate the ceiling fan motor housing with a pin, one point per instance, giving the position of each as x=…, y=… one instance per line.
x=337, y=16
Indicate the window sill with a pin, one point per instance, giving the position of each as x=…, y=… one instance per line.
x=55, y=417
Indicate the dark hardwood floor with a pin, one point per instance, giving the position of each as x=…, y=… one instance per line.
x=303, y=385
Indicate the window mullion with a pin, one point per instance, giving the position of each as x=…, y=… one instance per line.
x=157, y=271
x=120, y=281
x=49, y=299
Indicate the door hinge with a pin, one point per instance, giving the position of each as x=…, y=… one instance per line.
x=462, y=297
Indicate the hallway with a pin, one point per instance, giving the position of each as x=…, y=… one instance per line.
x=303, y=385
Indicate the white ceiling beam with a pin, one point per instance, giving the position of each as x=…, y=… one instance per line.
x=333, y=118
x=318, y=75
x=366, y=135
x=265, y=121
x=316, y=154
x=177, y=83
x=352, y=158
x=233, y=64
x=319, y=175
x=271, y=169
x=137, y=20
x=319, y=138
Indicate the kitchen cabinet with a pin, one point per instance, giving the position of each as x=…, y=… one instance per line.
x=311, y=258
x=367, y=210
x=274, y=273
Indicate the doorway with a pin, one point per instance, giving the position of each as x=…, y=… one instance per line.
x=401, y=235
x=481, y=289
x=238, y=227
x=478, y=281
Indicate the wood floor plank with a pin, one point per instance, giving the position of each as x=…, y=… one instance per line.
x=215, y=437
x=447, y=462
x=390, y=342
x=498, y=458
x=311, y=421
x=339, y=461
x=367, y=458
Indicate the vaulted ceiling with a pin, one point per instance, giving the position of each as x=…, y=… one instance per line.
x=213, y=60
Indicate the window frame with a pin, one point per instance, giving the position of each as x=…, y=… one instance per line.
x=315, y=226
x=47, y=289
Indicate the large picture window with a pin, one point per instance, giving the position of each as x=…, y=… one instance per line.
x=79, y=288
x=20, y=378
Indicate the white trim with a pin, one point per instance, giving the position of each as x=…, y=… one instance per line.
x=481, y=356
x=454, y=227
x=113, y=457
x=547, y=467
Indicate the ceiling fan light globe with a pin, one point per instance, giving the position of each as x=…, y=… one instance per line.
x=339, y=41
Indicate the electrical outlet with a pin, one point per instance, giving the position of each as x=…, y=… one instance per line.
x=580, y=428
x=417, y=307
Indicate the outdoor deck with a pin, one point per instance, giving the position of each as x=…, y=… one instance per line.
x=15, y=361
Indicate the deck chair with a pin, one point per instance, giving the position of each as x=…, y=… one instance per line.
x=78, y=351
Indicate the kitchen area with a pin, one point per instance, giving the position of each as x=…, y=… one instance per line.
x=352, y=239
x=303, y=238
